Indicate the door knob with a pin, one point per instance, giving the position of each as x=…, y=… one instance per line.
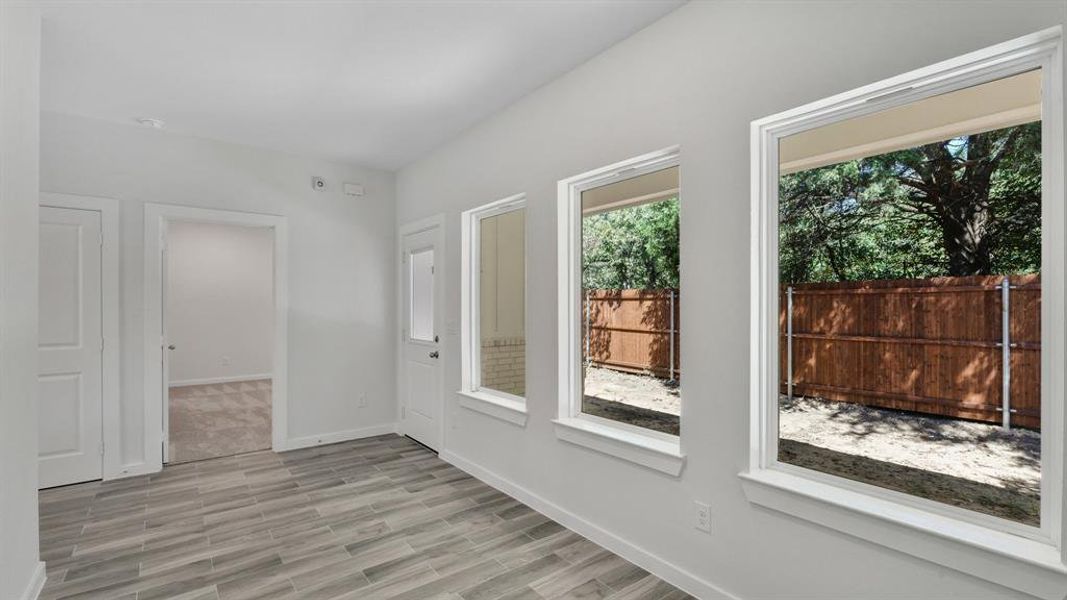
x=170, y=347
x=434, y=354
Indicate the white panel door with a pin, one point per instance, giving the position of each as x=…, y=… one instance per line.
x=421, y=376
x=70, y=347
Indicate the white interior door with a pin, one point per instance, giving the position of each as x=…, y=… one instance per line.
x=421, y=363
x=70, y=347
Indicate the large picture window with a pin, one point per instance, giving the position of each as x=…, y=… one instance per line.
x=494, y=309
x=908, y=300
x=909, y=257
x=619, y=302
x=630, y=297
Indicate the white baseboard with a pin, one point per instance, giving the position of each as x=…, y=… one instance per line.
x=146, y=468
x=211, y=380
x=133, y=470
x=670, y=573
x=36, y=583
x=337, y=436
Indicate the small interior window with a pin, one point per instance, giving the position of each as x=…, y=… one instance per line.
x=421, y=301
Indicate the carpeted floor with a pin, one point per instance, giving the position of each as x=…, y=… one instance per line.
x=223, y=419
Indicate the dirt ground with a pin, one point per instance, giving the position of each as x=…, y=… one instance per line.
x=974, y=465
x=641, y=391
x=640, y=400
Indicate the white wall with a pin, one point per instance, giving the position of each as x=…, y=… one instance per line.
x=341, y=253
x=220, y=302
x=20, y=64
x=696, y=78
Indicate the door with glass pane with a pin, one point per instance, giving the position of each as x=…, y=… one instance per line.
x=420, y=378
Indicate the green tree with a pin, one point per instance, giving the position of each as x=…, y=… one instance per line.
x=964, y=206
x=631, y=248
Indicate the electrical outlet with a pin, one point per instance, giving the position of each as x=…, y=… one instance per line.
x=362, y=400
x=225, y=361
x=703, y=516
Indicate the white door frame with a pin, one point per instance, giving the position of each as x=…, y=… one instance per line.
x=108, y=208
x=434, y=222
x=156, y=217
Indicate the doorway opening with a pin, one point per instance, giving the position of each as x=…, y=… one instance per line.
x=219, y=332
x=216, y=333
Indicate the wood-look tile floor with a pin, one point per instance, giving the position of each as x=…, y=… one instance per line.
x=375, y=518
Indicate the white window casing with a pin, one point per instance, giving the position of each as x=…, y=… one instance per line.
x=1026, y=558
x=652, y=449
x=495, y=403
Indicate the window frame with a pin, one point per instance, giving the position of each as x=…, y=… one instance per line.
x=652, y=449
x=974, y=539
x=495, y=403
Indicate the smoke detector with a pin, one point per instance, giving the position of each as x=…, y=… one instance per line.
x=151, y=123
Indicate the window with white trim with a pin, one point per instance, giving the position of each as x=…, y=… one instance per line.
x=494, y=308
x=619, y=348
x=908, y=306
x=630, y=300
x=909, y=264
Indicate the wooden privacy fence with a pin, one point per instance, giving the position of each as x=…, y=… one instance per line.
x=633, y=330
x=926, y=345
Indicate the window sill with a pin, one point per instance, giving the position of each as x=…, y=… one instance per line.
x=655, y=453
x=505, y=409
x=1034, y=567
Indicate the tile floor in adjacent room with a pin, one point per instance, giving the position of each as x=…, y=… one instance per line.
x=375, y=518
x=219, y=419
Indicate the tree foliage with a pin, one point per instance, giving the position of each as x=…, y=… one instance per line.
x=631, y=248
x=970, y=205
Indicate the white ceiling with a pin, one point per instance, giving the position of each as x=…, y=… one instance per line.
x=374, y=83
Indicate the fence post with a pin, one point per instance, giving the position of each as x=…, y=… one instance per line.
x=588, y=333
x=789, y=342
x=1005, y=352
x=672, y=335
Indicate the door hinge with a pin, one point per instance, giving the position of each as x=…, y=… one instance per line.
x=101, y=239
x=101, y=448
x=101, y=344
